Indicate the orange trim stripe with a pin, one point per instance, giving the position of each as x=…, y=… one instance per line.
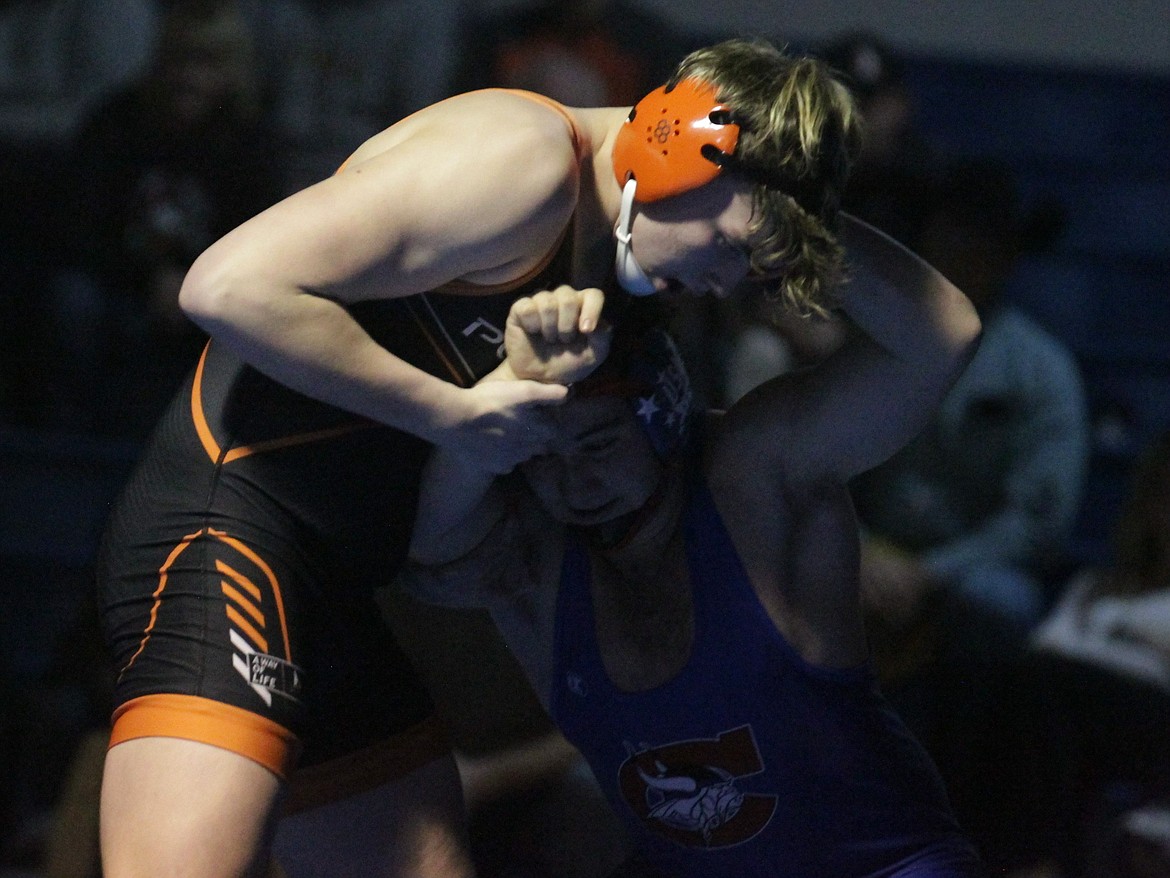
x=238, y=578
x=215, y=452
x=296, y=439
x=200, y=719
x=259, y=562
x=465, y=287
x=203, y=428
x=559, y=108
x=162, y=584
x=242, y=602
x=198, y=415
x=456, y=376
x=468, y=288
x=247, y=627
x=247, y=553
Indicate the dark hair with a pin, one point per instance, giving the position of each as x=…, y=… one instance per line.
x=645, y=366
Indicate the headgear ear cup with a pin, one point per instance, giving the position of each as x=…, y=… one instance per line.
x=674, y=140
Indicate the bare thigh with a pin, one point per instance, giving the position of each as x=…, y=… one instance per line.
x=172, y=807
x=412, y=826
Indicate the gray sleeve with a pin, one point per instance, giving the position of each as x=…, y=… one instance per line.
x=1043, y=490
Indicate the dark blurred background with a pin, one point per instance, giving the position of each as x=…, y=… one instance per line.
x=133, y=133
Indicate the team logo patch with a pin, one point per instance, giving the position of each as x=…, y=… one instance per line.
x=267, y=672
x=688, y=790
x=254, y=615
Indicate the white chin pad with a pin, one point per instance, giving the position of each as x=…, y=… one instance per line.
x=629, y=273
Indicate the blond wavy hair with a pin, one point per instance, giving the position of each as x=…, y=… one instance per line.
x=800, y=132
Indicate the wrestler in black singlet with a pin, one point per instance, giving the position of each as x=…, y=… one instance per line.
x=238, y=568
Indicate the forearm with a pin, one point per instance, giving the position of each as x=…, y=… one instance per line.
x=458, y=506
x=459, y=502
x=905, y=306
x=914, y=332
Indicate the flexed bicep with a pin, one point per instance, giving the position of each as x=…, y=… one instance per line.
x=912, y=332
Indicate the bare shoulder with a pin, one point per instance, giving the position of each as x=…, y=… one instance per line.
x=755, y=440
x=491, y=179
x=478, y=188
x=526, y=132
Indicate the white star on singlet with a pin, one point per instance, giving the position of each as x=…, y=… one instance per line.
x=647, y=408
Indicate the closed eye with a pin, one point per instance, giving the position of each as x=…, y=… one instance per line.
x=598, y=440
x=598, y=445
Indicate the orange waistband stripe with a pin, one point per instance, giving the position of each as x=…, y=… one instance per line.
x=218, y=455
x=210, y=722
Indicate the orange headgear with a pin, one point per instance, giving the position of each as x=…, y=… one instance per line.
x=676, y=139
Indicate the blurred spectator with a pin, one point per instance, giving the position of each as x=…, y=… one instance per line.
x=336, y=72
x=57, y=57
x=984, y=500
x=1104, y=651
x=895, y=170
x=966, y=525
x=163, y=168
x=1119, y=617
x=599, y=53
x=50, y=710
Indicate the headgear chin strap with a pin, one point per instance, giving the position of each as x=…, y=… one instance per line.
x=629, y=273
x=675, y=140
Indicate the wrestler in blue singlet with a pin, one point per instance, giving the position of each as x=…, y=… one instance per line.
x=750, y=761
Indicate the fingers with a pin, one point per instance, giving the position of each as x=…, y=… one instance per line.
x=514, y=399
x=538, y=393
x=592, y=300
x=549, y=394
x=504, y=423
x=600, y=342
x=559, y=315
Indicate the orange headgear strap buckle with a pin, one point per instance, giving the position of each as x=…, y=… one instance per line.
x=675, y=140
